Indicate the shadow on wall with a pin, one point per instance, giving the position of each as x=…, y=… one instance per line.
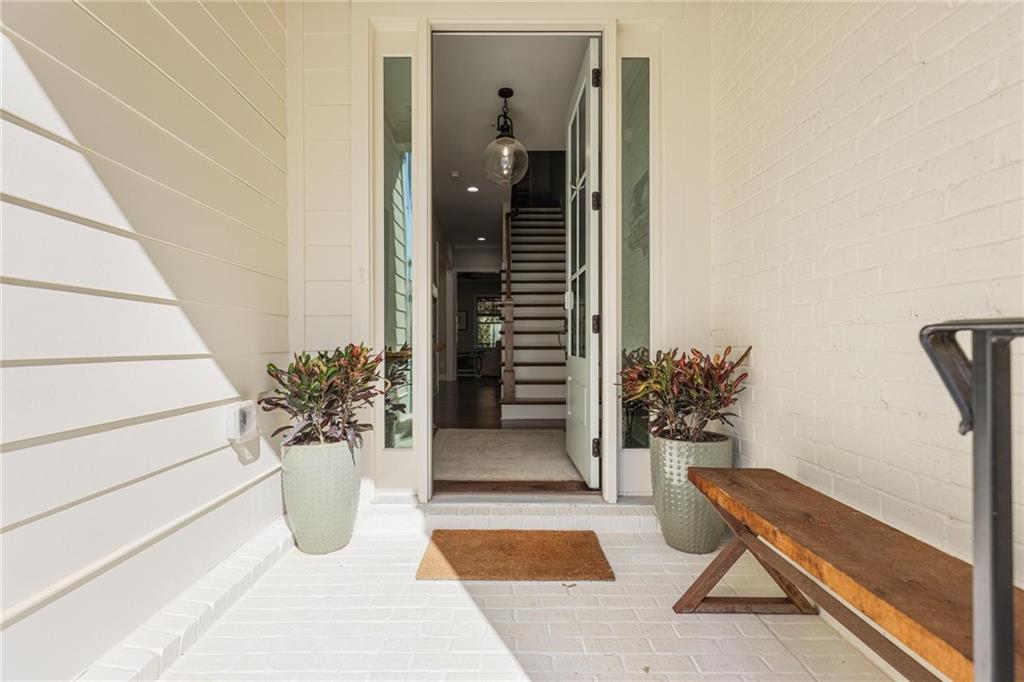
x=144, y=289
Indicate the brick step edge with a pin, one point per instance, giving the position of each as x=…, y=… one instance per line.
x=151, y=650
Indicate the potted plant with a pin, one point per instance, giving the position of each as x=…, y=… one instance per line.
x=683, y=396
x=320, y=460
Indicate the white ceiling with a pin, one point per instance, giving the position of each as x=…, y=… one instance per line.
x=468, y=70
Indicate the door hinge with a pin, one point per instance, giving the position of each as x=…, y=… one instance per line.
x=595, y=78
x=595, y=201
x=595, y=324
x=595, y=447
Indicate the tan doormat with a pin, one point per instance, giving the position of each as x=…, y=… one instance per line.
x=514, y=555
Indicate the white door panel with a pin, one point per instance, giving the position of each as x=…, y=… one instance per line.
x=583, y=273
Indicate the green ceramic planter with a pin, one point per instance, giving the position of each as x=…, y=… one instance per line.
x=688, y=521
x=321, y=494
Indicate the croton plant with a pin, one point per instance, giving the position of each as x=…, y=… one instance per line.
x=684, y=393
x=322, y=394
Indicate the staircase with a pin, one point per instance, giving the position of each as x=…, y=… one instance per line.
x=533, y=367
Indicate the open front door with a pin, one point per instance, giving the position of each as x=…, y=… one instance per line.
x=583, y=269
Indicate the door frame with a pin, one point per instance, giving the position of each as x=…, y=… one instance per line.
x=396, y=29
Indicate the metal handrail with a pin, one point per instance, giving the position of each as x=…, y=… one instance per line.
x=980, y=387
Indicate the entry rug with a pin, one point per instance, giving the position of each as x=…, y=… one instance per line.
x=556, y=555
x=502, y=455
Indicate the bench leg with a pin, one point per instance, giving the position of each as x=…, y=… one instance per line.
x=788, y=578
x=696, y=599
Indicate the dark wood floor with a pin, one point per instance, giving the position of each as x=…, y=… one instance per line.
x=468, y=404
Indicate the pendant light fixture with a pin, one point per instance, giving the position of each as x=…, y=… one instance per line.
x=505, y=159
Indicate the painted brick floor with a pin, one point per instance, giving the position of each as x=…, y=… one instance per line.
x=360, y=614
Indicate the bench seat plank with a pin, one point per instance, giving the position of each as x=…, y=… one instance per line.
x=915, y=592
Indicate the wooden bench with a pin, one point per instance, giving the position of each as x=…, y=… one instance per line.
x=916, y=593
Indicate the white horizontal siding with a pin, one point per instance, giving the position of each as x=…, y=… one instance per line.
x=144, y=288
x=77, y=325
x=43, y=477
x=92, y=92
x=80, y=623
x=208, y=38
x=323, y=35
x=44, y=248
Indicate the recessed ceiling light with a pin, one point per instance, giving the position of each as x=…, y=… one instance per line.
x=481, y=239
x=472, y=188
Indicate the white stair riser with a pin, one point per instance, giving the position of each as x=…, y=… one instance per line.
x=528, y=340
x=533, y=391
x=532, y=311
x=538, y=240
x=540, y=226
x=531, y=249
x=527, y=275
x=528, y=355
x=532, y=232
x=553, y=325
x=547, y=372
x=523, y=300
x=555, y=268
x=533, y=287
x=546, y=256
x=514, y=412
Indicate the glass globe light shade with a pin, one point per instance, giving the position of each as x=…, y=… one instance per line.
x=506, y=160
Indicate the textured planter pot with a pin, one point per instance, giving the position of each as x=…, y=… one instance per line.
x=321, y=494
x=688, y=521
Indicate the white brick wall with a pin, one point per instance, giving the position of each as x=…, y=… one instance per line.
x=867, y=181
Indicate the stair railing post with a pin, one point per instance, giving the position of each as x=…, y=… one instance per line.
x=508, y=370
x=993, y=508
x=980, y=388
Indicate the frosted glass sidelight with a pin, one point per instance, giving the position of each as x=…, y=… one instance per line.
x=636, y=223
x=398, y=246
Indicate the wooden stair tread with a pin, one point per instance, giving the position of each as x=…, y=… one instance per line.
x=917, y=593
x=538, y=364
x=535, y=332
x=538, y=318
x=538, y=281
x=538, y=305
x=515, y=347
